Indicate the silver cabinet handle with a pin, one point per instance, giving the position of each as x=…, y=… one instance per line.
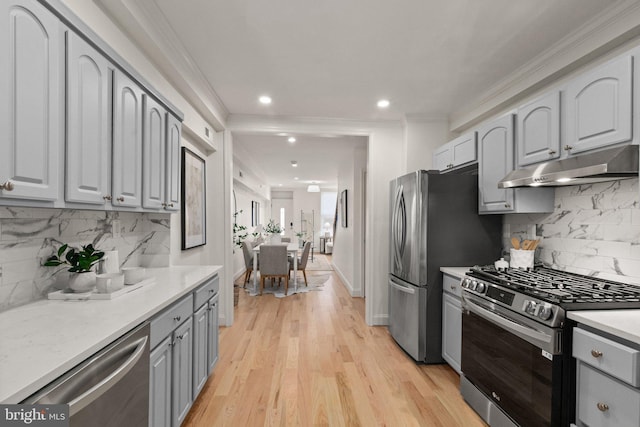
x=211, y=291
x=495, y=396
x=177, y=318
x=596, y=353
x=170, y=205
x=552, y=152
x=180, y=337
x=107, y=197
x=568, y=148
x=120, y=199
x=7, y=186
x=602, y=406
x=453, y=288
x=109, y=381
x=507, y=205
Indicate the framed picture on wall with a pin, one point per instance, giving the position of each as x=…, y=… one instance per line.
x=194, y=224
x=255, y=213
x=343, y=209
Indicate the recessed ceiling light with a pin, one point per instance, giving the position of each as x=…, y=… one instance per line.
x=313, y=188
x=279, y=185
x=291, y=139
x=383, y=103
x=264, y=99
x=296, y=178
x=294, y=163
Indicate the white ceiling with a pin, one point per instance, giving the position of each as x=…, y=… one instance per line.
x=336, y=58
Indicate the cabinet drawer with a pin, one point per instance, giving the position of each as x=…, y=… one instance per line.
x=164, y=323
x=451, y=284
x=609, y=356
x=205, y=292
x=604, y=401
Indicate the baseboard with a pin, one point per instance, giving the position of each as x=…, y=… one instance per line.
x=380, y=320
x=347, y=284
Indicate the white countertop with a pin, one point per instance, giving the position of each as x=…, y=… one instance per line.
x=41, y=341
x=458, y=272
x=621, y=323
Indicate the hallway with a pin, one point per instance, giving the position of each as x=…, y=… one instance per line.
x=310, y=359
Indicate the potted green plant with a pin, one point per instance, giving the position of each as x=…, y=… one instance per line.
x=82, y=278
x=239, y=231
x=301, y=236
x=273, y=230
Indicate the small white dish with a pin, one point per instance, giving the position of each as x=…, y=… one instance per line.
x=110, y=282
x=133, y=275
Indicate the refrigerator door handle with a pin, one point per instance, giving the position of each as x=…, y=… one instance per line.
x=399, y=225
x=401, y=288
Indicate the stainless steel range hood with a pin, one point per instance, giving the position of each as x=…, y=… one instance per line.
x=606, y=165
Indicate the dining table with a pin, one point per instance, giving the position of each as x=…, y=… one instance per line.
x=292, y=250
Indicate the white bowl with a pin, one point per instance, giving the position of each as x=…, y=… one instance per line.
x=133, y=275
x=110, y=282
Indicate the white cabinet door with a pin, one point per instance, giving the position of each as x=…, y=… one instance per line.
x=538, y=124
x=200, y=347
x=212, y=354
x=443, y=158
x=598, y=106
x=153, y=154
x=31, y=102
x=451, y=331
x=160, y=378
x=127, y=142
x=464, y=149
x=182, y=371
x=172, y=179
x=495, y=160
x=88, y=124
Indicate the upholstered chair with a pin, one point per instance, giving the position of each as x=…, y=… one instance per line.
x=247, y=251
x=274, y=264
x=302, y=261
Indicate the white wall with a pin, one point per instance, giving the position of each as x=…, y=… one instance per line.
x=422, y=137
x=307, y=202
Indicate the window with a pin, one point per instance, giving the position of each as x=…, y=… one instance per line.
x=282, y=220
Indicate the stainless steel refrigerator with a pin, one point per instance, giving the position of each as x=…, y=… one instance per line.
x=434, y=223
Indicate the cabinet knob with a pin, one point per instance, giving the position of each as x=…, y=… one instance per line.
x=170, y=205
x=568, y=147
x=211, y=291
x=177, y=318
x=180, y=336
x=453, y=288
x=171, y=344
x=7, y=186
x=596, y=353
x=120, y=199
x=552, y=152
x=602, y=406
x=209, y=309
x=107, y=197
x=507, y=205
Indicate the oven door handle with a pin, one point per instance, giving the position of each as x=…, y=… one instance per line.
x=524, y=332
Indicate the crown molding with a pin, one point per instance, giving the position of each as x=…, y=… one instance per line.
x=147, y=25
x=248, y=123
x=609, y=30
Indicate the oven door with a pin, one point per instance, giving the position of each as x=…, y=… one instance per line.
x=503, y=356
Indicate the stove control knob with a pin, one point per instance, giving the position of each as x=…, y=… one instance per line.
x=466, y=282
x=481, y=287
x=545, y=312
x=530, y=307
x=473, y=285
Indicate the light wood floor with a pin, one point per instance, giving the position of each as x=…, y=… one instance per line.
x=310, y=360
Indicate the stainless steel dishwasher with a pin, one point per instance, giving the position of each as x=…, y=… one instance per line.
x=111, y=388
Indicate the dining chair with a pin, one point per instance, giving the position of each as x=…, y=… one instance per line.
x=247, y=251
x=302, y=261
x=274, y=264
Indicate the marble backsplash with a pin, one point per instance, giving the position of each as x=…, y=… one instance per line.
x=28, y=236
x=594, y=230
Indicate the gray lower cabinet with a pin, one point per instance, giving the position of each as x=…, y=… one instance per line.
x=161, y=367
x=451, y=321
x=184, y=351
x=182, y=371
x=31, y=101
x=608, y=380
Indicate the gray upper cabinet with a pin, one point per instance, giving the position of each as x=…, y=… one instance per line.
x=538, y=125
x=495, y=160
x=495, y=143
x=88, y=124
x=172, y=179
x=127, y=142
x=153, y=155
x=32, y=105
x=461, y=151
x=599, y=106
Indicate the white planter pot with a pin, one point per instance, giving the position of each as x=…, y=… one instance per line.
x=82, y=282
x=276, y=239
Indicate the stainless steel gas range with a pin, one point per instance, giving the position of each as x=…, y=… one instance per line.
x=516, y=341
